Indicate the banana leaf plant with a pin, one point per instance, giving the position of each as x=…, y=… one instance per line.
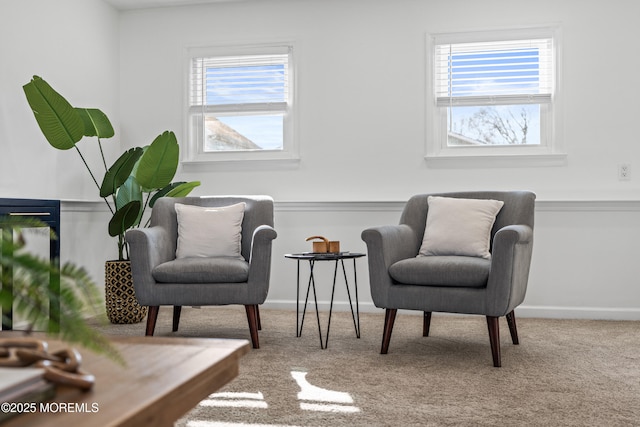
x=134, y=181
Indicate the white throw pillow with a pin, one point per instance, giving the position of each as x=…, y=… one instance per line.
x=209, y=231
x=459, y=226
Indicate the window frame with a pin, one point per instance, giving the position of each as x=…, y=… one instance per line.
x=550, y=151
x=194, y=153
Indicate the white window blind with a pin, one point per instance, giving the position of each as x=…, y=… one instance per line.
x=494, y=72
x=240, y=83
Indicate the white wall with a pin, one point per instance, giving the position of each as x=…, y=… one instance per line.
x=73, y=44
x=361, y=87
x=361, y=91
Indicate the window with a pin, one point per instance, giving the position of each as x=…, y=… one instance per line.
x=240, y=104
x=493, y=94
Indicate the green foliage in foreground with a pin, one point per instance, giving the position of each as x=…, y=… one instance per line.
x=31, y=293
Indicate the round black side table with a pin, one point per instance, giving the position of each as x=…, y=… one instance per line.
x=338, y=259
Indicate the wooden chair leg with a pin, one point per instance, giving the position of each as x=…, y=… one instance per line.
x=252, y=317
x=426, y=323
x=258, y=317
x=494, y=339
x=389, y=319
x=177, y=309
x=513, y=329
x=152, y=316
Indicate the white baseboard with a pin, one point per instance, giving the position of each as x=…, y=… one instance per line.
x=545, y=312
x=364, y=307
x=593, y=313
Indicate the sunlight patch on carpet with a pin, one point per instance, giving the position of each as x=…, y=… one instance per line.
x=311, y=393
x=310, y=397
x=323, y=407
x=235, y=400
x=318, y=394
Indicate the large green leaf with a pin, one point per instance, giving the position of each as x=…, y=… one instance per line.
x=119, y=172
x=96, y=123
x=59, y=122
x=128, y=192
x=175, y=189
x=163, y=192
x=124, y=218
x=183, y=189
x=159, y=162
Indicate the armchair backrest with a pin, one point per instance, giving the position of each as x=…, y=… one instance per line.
x=519, y=208
x=258, y=211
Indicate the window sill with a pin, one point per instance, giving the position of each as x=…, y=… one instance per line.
x=496, y=160
x=239, y=164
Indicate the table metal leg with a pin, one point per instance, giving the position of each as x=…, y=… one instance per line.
x=333, y=291
x=311, y=285
x=298, y=327
x=315, y=299
x=355, y=282
x=304, y=310
x=356, y=324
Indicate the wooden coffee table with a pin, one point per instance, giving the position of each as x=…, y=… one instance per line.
x=163, y=380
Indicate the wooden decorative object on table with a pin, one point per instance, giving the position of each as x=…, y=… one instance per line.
x=60, y=367
x=325, y=245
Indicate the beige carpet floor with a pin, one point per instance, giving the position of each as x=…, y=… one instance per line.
x=563, y=373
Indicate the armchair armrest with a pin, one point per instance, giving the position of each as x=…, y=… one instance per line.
x=148, y=247
x=385, y=246
x=260, y=262
x=510, y=263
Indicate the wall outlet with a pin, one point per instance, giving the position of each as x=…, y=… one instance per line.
x=624, y=172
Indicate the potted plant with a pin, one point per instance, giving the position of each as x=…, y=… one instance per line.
x=131, y=184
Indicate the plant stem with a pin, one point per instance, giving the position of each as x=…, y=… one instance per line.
x=92, y=177
x=121, y=246
x=104, y=162
x=144, y=208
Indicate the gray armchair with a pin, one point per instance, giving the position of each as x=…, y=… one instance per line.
x=492, y=287
x=161, y=279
